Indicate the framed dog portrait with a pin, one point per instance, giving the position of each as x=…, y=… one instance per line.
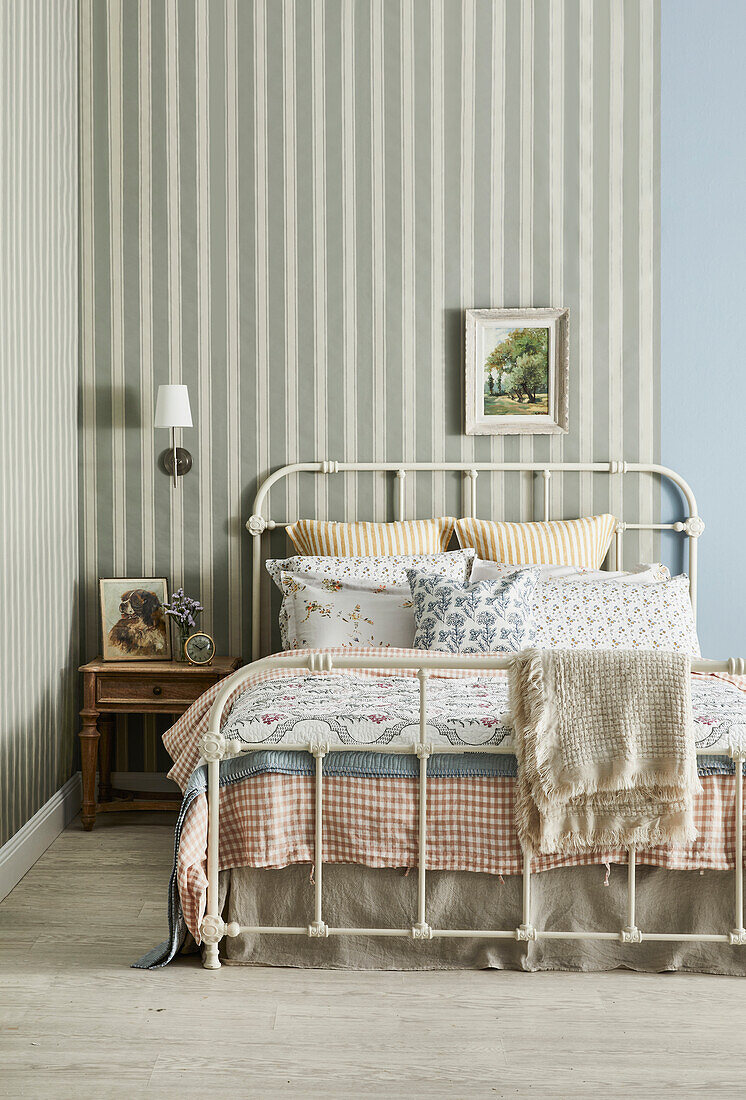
x=517, y=367
x=134, y=626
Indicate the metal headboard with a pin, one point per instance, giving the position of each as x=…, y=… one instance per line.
x=691, y=527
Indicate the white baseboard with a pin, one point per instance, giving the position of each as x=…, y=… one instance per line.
x=152, y=782
x=23, y=849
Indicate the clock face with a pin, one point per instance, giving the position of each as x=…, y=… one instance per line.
x=200, y=649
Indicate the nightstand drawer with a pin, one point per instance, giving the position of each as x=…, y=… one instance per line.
x=183, y=689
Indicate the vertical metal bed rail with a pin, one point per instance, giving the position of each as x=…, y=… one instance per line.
x=738, y=935
x=618, y=560
x=618, y=468
x=318, y=927
x=469, y=504
x=694, y=527
x=526, y=930
x=401, y=476
x=421, y=930
x=213, y=928
x=631, y=933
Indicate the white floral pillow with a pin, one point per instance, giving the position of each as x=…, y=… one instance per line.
x=377, y=570
x=492, y=616
x=600, y=615
x=325, y=611
x=368, y=572
x=640, y=574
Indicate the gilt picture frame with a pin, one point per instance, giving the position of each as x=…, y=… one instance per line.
x=133, y=624
x=517, y=371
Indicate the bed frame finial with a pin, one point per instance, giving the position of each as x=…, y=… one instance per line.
x=256, y=525
x=693, y=527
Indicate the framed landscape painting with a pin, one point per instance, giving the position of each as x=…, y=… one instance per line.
x=517, y=366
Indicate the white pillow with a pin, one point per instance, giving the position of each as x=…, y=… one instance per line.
x=492, y=616
x=600, y=615
x=640, y=574
x=391, y=569
x=366, y=573
x=323, y=611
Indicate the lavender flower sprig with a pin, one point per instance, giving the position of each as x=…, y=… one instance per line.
x=183, y=610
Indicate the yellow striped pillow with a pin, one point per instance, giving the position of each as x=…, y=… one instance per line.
x=581, y=542
x=364, y=540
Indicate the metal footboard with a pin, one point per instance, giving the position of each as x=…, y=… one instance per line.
x=215, y=748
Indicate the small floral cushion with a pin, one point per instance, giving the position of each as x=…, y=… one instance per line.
x=492, y=616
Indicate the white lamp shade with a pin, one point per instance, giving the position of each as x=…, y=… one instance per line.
x=172, y=409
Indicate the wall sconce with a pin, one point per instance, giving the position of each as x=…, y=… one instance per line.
x=172, y=410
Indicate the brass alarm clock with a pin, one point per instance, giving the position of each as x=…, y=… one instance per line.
x=199, y=648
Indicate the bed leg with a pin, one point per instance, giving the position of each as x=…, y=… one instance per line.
x=212, y=927
x=210, y=958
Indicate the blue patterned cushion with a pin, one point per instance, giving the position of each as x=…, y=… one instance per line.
x=493, y=616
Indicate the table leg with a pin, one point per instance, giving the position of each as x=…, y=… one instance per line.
x=107, y=726
x=89, y=736
x=89, y=749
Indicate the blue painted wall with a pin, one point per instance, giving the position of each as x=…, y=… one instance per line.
x=703, y=297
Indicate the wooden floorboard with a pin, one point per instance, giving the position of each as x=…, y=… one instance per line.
x=76, y=1020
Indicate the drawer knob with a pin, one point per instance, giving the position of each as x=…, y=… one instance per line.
x=157, y=690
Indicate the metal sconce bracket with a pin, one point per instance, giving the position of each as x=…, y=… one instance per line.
x=176, y=462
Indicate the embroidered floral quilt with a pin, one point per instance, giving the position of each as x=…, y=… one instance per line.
x=348, y=710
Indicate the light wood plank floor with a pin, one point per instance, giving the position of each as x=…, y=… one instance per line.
x=75, y=1020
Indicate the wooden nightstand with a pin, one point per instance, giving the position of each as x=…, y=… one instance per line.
x=139, y=687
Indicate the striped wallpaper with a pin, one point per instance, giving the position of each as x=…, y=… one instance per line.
x=288, y=204
x=38, y=423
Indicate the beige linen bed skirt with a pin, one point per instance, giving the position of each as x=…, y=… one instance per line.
x=567, y=898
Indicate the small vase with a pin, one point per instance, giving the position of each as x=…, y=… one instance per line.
x=181, y=637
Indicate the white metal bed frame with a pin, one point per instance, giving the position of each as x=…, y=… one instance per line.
x=215, y=747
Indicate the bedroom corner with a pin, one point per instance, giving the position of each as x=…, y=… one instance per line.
x=373, y=696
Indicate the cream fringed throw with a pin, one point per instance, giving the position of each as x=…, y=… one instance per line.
x=605, y=748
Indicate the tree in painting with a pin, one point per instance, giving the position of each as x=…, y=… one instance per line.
x=517, y=373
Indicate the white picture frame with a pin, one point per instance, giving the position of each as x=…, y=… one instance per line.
x=516, y=402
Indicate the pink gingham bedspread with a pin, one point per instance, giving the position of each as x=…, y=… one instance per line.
x=267, y=820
